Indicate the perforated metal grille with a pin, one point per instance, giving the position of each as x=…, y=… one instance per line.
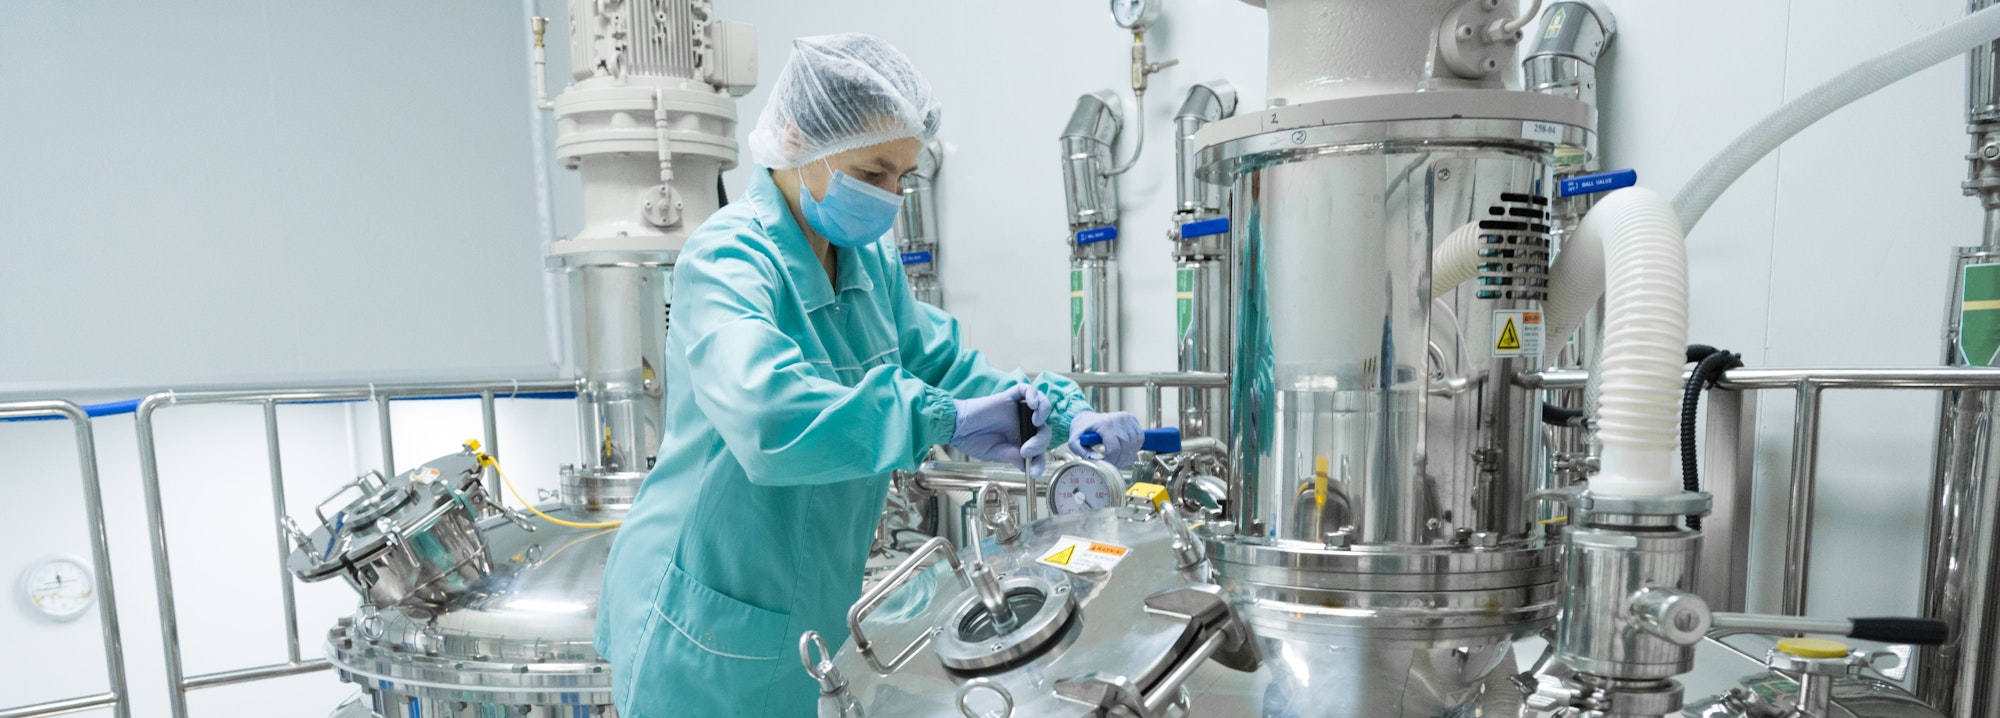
x=1514, y=248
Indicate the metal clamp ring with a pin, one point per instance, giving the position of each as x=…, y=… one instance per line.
x=1006, y=699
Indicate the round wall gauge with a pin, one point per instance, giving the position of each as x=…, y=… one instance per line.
x=60, y=587
x=1135, y=14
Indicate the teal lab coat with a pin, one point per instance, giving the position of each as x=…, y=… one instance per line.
x=788, y=402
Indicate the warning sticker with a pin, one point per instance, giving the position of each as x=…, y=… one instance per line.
x=1082, y=555
x=1517, y=333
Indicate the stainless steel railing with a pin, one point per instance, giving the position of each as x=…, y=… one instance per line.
x=117, y=698
x=1808, y=385
x=381, y=395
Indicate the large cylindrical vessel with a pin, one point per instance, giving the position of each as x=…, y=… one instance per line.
x=1380, y=536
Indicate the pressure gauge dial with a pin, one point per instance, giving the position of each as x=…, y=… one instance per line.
x=1081, y=485
x=60, y=587
x=1135, y=14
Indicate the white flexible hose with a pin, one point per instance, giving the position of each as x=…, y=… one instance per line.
x=1456, y=260
x=1576, y=280
x=1645, y=341
x=1946, y=43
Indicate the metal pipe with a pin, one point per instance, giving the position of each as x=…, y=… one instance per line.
x=100, y=555
x=1133, y=380
x=65, y=706
x=246, y=675
x=1804, y=485
x=388, y=442
x=1780, y=625
x=1887, y=378
x=489, y=421
x=939, y=476
x=1168, y=688
x=163, y=580
x=278, y=513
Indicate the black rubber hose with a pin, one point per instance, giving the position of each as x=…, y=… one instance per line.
x=1561, y=416
x=1709, y=364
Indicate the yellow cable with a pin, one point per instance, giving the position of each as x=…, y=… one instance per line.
x=485, y=460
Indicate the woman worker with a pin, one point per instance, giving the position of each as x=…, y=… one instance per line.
x=800, y=372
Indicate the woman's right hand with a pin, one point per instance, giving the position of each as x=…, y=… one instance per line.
x=988, y=428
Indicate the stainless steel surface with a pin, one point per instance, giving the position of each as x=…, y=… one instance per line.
x=1804, y=486
x=521, y=639
x=1733, y=680
x=385, y=435
x=118, y=698
x=178, y=682
x=1728, y=472
x=1206, y=314
x=1127, y=379
x=621, y=305
x=1118, y=629
x=1336, y=322
x=1604, y=570
x=1090, y=192
x=411, y=539
x=1205, y=102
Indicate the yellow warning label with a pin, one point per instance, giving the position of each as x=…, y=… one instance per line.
x=1081, y=555
x=1509, y=338
x=1062, y=557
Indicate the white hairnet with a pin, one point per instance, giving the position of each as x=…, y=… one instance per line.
x=837, y=93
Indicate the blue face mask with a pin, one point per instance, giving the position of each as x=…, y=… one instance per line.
x=854, y=212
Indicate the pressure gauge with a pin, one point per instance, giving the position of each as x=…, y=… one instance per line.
x=1080, y=486
x=1135, y=14
x=60, y=587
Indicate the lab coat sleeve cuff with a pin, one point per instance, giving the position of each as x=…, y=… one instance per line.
x=940, y=417
x=1063, y=413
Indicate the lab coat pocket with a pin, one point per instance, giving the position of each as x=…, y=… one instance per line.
x=719, y=624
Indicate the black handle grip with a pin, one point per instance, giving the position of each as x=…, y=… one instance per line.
x=1918, y=631
x=1025, y=421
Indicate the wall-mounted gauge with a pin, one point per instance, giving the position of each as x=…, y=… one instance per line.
x=60, y=587
x=1135, y=14
x=1080, y=485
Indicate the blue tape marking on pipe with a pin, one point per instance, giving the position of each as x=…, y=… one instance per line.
x=917, y=257
x=1600, y=182
x=1206, y=227
x=1093, y=236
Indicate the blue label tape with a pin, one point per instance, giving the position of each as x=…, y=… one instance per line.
x=1600, y=182
x=916, y=258
x=1206, y=227
x=1092, y=236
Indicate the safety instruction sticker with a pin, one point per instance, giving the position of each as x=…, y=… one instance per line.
x=1517, y=333
x=1082, y=555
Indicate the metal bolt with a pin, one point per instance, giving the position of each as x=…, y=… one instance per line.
x=1465, y=32
x=1492, y=64
x=1443, y=173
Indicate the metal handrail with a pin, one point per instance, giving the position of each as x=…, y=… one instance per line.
x=178, y=682
x=118, y=698
x=1152, y=382
x=1808, y=385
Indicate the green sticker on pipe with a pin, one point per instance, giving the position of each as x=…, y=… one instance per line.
x=1979, y=314
x=1184, y=301
x=1075, y=302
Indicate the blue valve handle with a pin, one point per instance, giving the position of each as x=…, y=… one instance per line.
x=1164, y=440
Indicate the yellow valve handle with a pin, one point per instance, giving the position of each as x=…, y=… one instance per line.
x=1812, y=648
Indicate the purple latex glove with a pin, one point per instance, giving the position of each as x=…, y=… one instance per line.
x=1120, y=433
x=989, y=429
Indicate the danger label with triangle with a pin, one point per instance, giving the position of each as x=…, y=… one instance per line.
x=1082, y=555
x=1509, y=337
x=1061, y=558
x=1517, y=333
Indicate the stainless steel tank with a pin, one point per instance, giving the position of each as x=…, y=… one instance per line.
x=507, y=632
x=1093, y=613
x=1380, y=538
